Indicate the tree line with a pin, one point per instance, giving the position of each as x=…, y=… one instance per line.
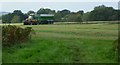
x=100, y=13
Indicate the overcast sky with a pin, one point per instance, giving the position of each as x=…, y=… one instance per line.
x=60, y=0
x=72, y=6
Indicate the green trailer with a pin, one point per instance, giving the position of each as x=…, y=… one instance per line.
x=35, y=19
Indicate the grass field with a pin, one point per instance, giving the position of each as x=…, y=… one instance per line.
x=66, y=43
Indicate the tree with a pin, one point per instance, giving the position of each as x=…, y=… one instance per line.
x=7, y=18
x=73, y=17
x=0, y=17
x=118, y=14
x=30, y=12
x=19, y=13
x=58, y=16
x=86, y=16
x=81, y=12
x=15, y=19
x=45, y=11
x=65, y=12
x=101, y=13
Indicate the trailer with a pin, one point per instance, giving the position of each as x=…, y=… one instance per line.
x=36, y=19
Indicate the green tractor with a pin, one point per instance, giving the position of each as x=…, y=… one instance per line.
x=35, y=19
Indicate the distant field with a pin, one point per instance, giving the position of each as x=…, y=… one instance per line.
x=66, y=43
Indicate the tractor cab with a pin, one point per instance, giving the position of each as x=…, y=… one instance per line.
x=31, y=20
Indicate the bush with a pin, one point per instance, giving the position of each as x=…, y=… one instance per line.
x=116, y=48
x=14, y=34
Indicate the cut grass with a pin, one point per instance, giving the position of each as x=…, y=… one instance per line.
x=73, y=43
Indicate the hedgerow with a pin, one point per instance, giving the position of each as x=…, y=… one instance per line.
x=12, y=34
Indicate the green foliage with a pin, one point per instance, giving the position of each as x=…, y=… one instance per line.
x=15, y=19
x=7, y=18
x=20, y=14
x=45, y=11
x=29, y=12
x=73, y=17
x=11, y=16
x=67, y=16
x=0, y=17
x=86, y=16
x=65, y=12
x=58, y=16
x=73, y=43
x=116, y=46
x=14, y=34
x=103, y=13
x=100, y=13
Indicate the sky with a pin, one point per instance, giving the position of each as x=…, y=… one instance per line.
x=72, y=6
x=60, y=0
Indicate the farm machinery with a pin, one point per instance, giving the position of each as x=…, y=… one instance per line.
x=35, y=19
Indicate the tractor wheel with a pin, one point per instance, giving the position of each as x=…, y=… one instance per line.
x=25, y=23
x=35, y=23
